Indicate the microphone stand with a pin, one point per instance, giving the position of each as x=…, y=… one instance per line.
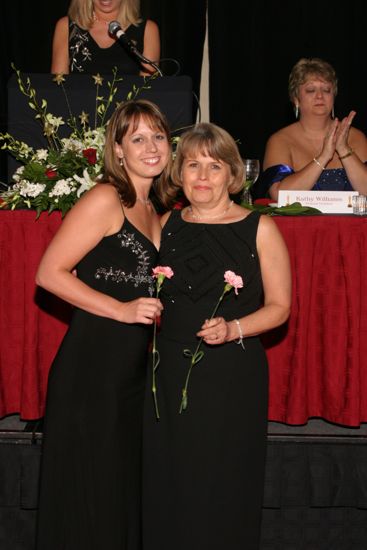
x=115, y=30
x=140, y=56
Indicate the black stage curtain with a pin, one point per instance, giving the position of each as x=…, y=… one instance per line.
x=182, y=30
x=26, y=30
x=257, y=41
x=315, y=494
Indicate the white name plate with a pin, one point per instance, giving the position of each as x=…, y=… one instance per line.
x=328, y=202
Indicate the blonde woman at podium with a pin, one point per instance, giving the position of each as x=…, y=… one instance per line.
x=318, y=151
x=91, y=462
x=82, y=42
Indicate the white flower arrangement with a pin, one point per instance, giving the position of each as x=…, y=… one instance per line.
x=54, y=178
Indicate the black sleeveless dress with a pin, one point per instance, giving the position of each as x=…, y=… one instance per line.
x=91, y=465
x=85, y=56
x=204, y=468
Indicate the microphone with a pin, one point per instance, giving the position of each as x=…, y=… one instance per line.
x=115, y=30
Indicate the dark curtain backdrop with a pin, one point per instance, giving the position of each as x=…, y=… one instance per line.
x=252, y=45
x=182, y=29
x=26, y=30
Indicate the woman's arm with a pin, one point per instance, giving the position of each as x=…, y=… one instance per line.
x=351, y=146
x=278, y=152
x=276, y=277
x=97, y=214
x=152, y=46
x=60, y=47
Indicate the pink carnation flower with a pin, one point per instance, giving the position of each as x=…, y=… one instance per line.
x=234, y=280
x=162, y=270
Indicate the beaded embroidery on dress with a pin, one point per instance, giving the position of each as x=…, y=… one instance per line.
x=143, y=268
x=86, y=56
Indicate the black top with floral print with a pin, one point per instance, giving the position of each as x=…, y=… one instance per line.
x=85, y=56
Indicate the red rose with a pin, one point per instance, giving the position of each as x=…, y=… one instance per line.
x=50, y=173
x=90, y=154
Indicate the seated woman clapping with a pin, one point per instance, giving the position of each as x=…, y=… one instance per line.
x=318, y=151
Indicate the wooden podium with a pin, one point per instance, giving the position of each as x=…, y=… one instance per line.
x=173, y=94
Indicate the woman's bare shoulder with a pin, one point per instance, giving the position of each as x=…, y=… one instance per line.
x=151, y=26
x=286, y=134
x=100, y=204
x=356, y=134
x=279, y=146
x=268, y=234
x=62, y=25
x=101, y=196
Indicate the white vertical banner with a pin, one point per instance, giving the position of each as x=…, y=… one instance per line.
x=204, y=79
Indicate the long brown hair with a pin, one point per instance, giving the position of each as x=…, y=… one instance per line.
x=126, y=117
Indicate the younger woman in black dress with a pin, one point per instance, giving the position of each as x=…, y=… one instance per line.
x=90, y=479
x=204, y=468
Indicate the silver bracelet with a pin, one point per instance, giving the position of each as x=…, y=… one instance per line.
x=319, y=163
x=240, y=340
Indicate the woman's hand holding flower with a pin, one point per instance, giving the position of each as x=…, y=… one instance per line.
x=218, y=331
x=214, y=331
x=141, y=310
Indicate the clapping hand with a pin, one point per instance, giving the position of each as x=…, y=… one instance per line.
x=336, y=138
x=329, y=145
x=342, y=134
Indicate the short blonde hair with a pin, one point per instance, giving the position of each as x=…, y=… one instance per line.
x=127, y=116
x=208, y=139
x=81, y=11
x=307, y=67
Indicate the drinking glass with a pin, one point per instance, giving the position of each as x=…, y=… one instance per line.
x=252, y=171
x=359, y=203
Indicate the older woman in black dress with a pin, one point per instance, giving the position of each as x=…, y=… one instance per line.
x=204, y=467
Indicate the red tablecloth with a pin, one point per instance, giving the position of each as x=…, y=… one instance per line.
x=32, y=321
x=317, y=361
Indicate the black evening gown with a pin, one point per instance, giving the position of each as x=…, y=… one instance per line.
x=90, y=496
x=85, y=56
x=204, y=468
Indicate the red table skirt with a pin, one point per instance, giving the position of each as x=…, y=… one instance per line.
x=317, y=361
x=32, y=321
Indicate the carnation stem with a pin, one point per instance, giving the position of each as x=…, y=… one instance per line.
x=156, y=360
x=197, y=355
x=155, y=357
x=195, y=358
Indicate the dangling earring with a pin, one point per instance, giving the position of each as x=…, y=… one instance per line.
x=296, y=111
x=332, y=113
x=121, y=161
